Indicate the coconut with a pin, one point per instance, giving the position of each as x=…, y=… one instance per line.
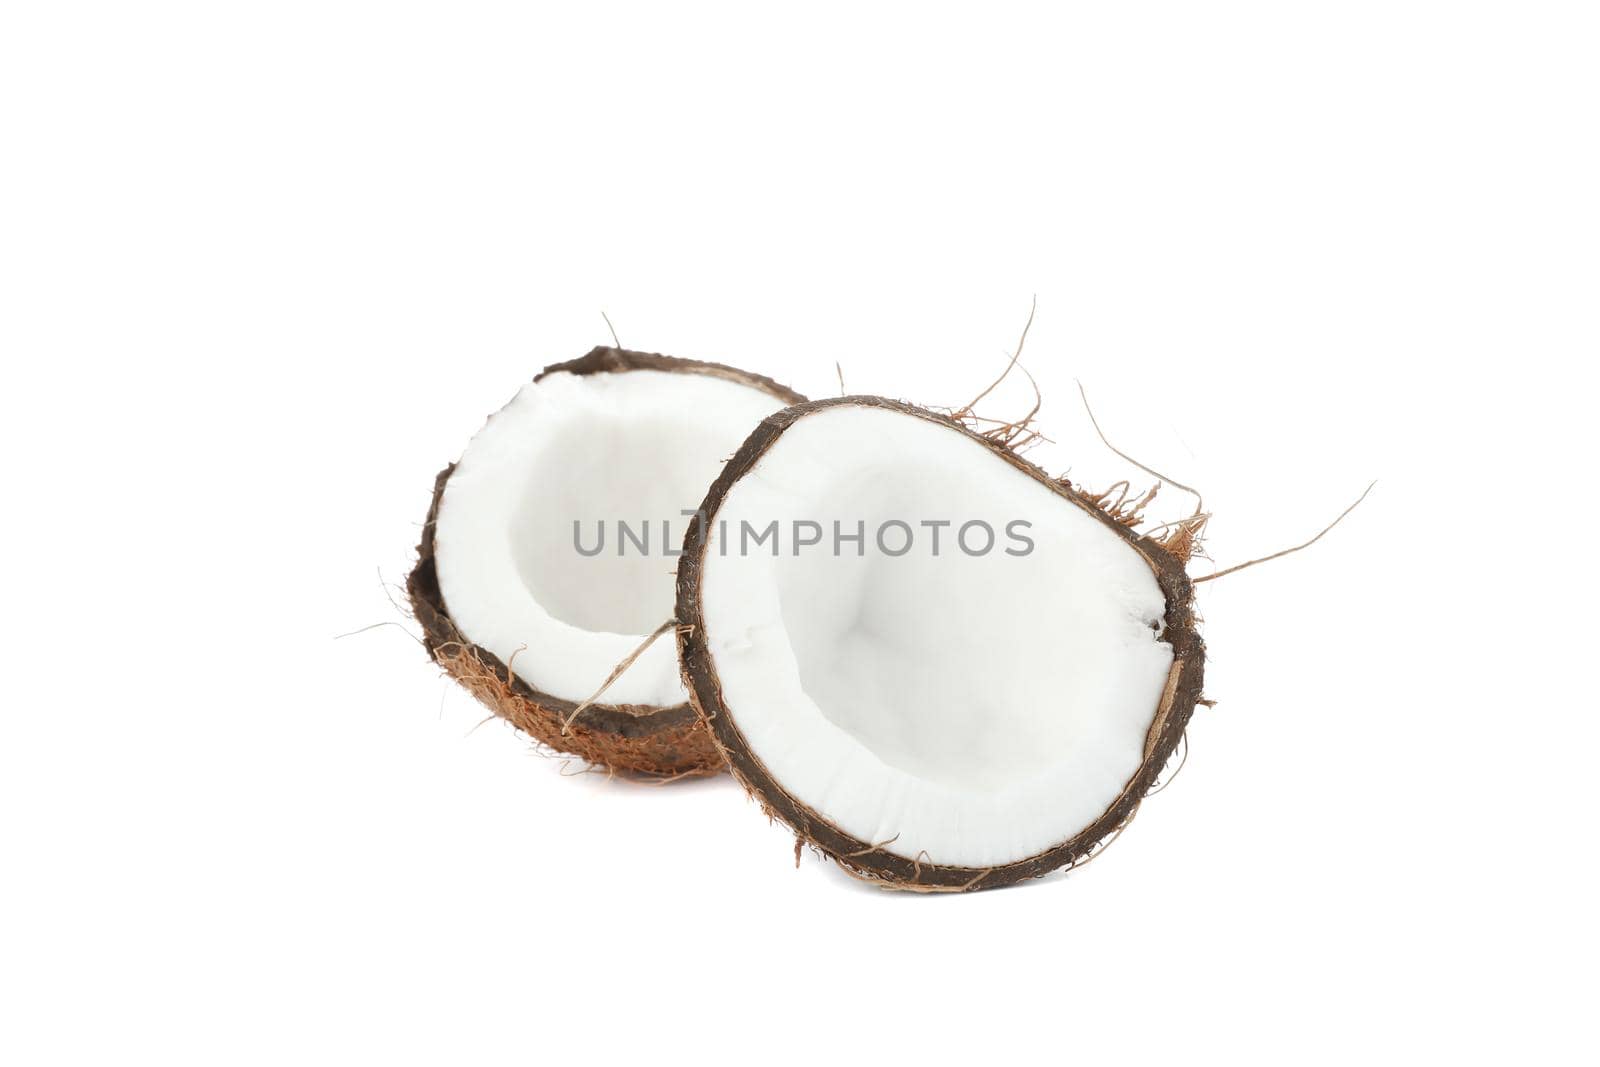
x=940, y=666
x=546, y=560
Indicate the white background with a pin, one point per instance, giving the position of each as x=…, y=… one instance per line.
x=265, y=268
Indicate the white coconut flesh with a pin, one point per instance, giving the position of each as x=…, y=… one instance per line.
x=636, y=446
x=970, y=710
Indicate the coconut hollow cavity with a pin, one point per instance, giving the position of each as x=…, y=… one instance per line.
x=933, y=706
x=516, y=601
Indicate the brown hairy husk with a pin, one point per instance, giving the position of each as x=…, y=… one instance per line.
x=872, y=861
x=657, y=742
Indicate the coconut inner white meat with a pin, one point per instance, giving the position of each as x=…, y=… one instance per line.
x=635, y=447
x=976, y=707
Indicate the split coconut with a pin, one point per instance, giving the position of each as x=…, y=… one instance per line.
x=548, y=553
x=942, y=667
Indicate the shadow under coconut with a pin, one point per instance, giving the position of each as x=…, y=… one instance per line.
x=596, y=776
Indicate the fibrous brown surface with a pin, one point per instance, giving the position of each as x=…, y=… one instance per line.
x=870, y=860
x=639, y=739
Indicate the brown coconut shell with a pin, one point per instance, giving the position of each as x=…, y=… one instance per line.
x=868, y=859
x=634, y=738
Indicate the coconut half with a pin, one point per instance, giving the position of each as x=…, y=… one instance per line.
x=932, y=706
x=515, y=599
